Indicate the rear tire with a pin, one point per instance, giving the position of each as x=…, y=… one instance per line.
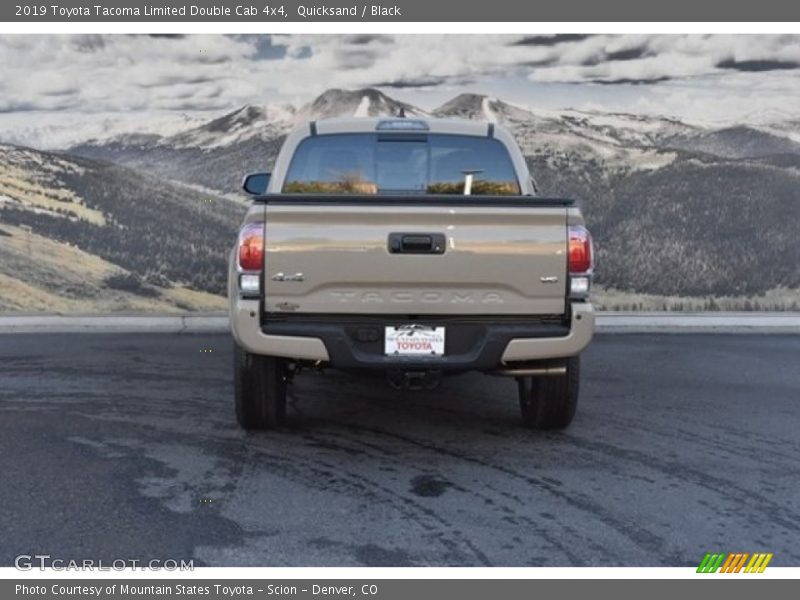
x=549, y=402
x=259, y=390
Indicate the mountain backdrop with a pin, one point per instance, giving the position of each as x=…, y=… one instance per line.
x=684, y=215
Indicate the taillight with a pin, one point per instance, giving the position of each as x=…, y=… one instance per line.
x=580, y=250
x=251, y=247
x=580, y=262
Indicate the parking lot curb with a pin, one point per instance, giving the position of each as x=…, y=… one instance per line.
x=709, y=322
x=206, y=323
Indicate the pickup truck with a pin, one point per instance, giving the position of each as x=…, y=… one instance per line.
x=413, y=249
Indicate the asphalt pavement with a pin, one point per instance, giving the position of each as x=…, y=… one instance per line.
x=125, y=446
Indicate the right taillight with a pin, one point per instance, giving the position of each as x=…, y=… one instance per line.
x=251, y=247
x=580, y=261
x=580, y=249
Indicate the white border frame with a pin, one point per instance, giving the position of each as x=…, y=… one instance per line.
x=330, y=28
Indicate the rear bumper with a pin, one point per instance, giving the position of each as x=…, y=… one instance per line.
x=246, y=330
x=347, y=342
x=581, y=330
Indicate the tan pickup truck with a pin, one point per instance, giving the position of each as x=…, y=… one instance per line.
x=411, y=249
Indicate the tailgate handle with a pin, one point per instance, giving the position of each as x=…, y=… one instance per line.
x=416, y=243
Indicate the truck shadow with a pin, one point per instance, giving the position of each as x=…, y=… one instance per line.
x=464, y=403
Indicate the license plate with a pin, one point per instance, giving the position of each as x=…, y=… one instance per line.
x=414, y=340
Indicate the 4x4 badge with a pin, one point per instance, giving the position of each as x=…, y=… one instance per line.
x=284, y=277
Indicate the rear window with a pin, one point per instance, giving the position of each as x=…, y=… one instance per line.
x=407, y=163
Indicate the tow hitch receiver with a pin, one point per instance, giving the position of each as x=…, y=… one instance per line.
x=427, y=379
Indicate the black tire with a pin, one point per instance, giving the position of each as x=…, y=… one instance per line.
x=259, y=390
x=549, y=402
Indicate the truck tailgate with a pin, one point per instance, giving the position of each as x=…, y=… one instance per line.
x=375, y=258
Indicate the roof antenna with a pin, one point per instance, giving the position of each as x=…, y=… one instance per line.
x=401, y=113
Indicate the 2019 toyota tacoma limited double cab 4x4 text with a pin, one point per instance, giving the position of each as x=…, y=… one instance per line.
x=416, y=248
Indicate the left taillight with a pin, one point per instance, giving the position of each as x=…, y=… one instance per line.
x=251, y=260
x=251, y=247
x=581, y=261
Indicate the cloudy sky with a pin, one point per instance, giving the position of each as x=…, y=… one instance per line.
x=49, y=79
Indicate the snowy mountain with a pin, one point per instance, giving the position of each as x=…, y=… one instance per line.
x=615, y=128
x=619, y=141
x=54, y=131
x=215, y=154
x=486, y=108
x=367, y=102
x=246, y=123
